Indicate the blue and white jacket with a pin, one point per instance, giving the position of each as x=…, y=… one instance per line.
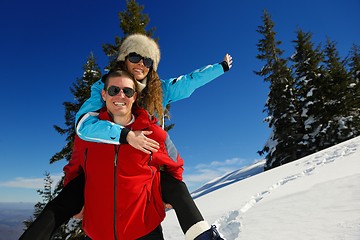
x=90, y=128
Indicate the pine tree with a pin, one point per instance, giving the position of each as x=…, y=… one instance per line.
x=281, y=103
x=308, y=74
x=81, y=92
x=47, y=194
x=334, y=117
x=132, y=20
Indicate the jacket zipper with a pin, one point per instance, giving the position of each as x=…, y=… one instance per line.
x=152, y=170
x=85, y=161
x=115, y=167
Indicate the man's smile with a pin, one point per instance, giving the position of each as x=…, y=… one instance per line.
x=119, y=104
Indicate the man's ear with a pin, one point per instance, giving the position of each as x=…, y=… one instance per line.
x=103, y=94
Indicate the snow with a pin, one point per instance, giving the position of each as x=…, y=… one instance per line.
x=316, y=197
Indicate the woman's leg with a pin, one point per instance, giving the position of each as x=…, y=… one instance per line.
x=58, y=211
x=191, y=221
x=176, y=193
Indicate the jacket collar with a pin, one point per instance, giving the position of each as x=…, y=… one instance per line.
x=142, y=118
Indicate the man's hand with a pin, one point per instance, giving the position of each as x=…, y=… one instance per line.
x=138, y=140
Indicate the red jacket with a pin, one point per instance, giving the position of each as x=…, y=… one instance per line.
x=122, y=187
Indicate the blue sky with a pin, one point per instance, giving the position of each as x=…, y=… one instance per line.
x=44, y=45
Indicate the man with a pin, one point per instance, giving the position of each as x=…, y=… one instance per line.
x=122, y=184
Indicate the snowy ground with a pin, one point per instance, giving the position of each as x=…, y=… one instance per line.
x=316, y=197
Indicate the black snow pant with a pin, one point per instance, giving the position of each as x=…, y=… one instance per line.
x=71, y=200
x=176, y=193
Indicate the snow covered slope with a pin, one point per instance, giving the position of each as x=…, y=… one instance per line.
x=229, y=178
x=316, y=197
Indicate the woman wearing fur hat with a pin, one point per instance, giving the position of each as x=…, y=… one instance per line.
x=141, y=55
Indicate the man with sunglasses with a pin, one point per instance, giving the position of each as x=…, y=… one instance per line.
x=122, y=189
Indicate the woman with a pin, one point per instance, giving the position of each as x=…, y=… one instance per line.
x=141, y=55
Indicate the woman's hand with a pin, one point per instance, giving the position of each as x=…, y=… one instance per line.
x=228, y=60
x=167, y=206
x=138, y=140
x=80, y=215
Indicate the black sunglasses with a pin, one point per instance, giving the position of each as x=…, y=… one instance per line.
x=135, y=58
x=114, y=90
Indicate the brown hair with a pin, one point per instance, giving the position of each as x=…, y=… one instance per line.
x=119, y=73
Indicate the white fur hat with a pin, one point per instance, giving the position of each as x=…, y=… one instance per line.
x=141, y=44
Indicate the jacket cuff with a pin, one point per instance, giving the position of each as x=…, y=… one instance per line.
x=123, y=135
x=225, y=66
